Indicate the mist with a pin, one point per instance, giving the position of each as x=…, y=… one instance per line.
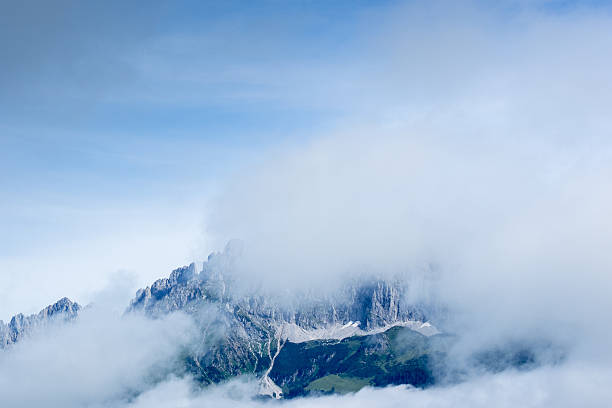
x=472, y=157
x=478, y=166
x=507, y=218
x=569, y=386
x=103, y=358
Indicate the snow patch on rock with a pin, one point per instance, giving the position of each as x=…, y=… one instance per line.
x=296, y=334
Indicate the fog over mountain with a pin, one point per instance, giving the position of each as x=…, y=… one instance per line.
x=445, y=243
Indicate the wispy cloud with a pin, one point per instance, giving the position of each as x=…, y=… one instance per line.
x=468, y=143
x=101, y=358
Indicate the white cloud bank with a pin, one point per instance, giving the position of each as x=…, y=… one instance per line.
x=480, y=145
x=101, y=358
x=563, y=387
x=481, y=157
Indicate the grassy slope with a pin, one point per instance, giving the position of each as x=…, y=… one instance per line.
x=398, y=356
x=335, y=383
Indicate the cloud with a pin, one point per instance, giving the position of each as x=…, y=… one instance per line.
x=484, y=157
x=473, y=153
x=99, y=358
x=567, y=386
x=518, y=228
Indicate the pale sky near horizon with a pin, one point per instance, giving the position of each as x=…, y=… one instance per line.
x=119, y=122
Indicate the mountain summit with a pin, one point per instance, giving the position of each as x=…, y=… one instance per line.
x=256, y=326
x=21, y=326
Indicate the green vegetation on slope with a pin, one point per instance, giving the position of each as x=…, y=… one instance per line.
x=336, y=384
x=397, y=356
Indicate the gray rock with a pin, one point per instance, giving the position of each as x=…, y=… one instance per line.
x=249, y=322
x=21, y=326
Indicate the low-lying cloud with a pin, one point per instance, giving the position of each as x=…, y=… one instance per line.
x=477, y=163
x=102, y=358
x=564, y=387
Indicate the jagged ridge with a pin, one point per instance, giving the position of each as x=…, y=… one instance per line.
x=21, y=326
x=253, y=324
x=315, y=343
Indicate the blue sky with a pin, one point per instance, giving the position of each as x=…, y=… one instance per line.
x=119, y=101
x=119, y=121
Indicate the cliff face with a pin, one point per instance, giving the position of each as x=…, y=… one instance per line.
x=371, y=303
x=243, y=330
x=21, y=326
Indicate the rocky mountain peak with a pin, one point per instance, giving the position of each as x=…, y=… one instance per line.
x=21, y=326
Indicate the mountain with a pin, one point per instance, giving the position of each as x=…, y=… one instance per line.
x=21, y=326
x=364, y=333
x=246, y=331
